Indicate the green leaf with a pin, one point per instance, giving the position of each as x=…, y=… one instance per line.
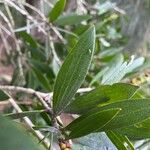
x=23, y=114
x=73, y=70
x=3, y=96
x=135, y=133
x=132, y=112
x=14, y=137
x=28, y=39
x=42, y=67
x=138, y=131
x=71, y=19
x=90, y=122
x=101, y=95
x=120, y=141
x=144, y=124
x=36, y=54
x=57, y=10
x=42, y=79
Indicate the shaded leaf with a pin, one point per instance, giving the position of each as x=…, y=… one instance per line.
x=3, y=96
x=22, y=140
x=42, y=79
x=28, y=39
x=73, y=70
x=42, y=67
x=90, y=122
x=71, y=19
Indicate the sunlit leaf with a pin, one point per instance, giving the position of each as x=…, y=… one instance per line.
x=57, y=10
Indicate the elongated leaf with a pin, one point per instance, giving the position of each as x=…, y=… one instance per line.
x=42, y=79
x=110, y=52
x=135, y=64
x=28, y=39
x=57, y=10
x=71, y=19
x=3, y=96
x=14, y=137
x=102, y=95
x=135, y=133
x=73, y=70
x=42, y=67
x=115, y=72
x=119, y=68
x=90, y=122
x=144, y=124
x=138, y=131
x=133, y=111
x=120, y=141
x=23, y=114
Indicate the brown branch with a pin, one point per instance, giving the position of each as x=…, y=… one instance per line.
x=36, y=93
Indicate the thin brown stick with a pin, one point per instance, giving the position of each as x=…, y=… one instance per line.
x=33, y=92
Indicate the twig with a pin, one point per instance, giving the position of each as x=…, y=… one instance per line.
x=41, y=96
x=58, y=34
x=66, y=31
x=9, y=14
x=53, y=50
x=19, y=61
x=33, y=92
x=6, y=44
x=22, y=89
x=7, y=102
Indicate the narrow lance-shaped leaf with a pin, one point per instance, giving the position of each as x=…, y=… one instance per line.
x=57, y=10
x=90, y=122
x=73, y=70
x=42, y=79
x=120, y=141
x=71, y=19
x=28, y=39
x=101, y=95
x=135, y=133
x=133, y=111
x=119, y=68
x=138, y=131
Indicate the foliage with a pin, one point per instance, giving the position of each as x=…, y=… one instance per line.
x=81, y=60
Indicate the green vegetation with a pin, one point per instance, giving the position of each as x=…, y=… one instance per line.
x=71, y=78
